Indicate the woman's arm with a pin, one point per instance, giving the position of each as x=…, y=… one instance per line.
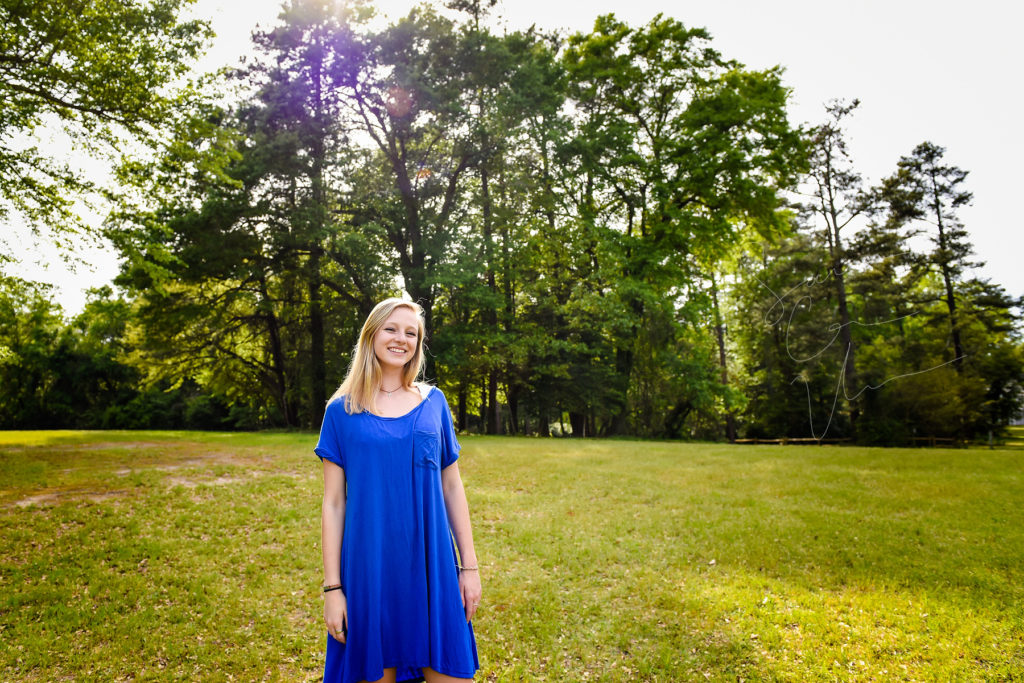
x=458, y=517
x=332, y=527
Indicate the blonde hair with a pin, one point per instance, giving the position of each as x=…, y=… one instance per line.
x=364, y=374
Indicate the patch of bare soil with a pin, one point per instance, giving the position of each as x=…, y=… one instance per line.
x=115, y=445
x=49, y=498
x=195, y=462
x=191, y=483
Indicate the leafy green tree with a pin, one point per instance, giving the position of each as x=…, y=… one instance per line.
x=248, y=259
x=75, y=374
x=921, y=393
x=409, y=94
x=93, y=351
x=574, y=217
x=204, y=278
x=960, y=321
x=927, y=190
x=906, y=386
x=516, y=80
x=297, y=127
x=676, y=147
x=30, y=325
x=838, y=199
x=782, y=305
x=101, y=70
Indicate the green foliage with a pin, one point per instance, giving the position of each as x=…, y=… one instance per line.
x=783, y=326
x=57, y=373
x=907, y=386
x=100, y=69
x=236, y=271
x=674, y=149
x=596, y=226
x=925, y=189
x=413, y=150
x=879, y=339
x=30, y=326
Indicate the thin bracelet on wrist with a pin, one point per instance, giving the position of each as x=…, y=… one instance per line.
x=474, y=568
x=332, y=587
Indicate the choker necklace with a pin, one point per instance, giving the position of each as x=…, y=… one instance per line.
x=392, y=391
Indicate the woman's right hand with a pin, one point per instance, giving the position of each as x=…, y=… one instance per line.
x=336, y=614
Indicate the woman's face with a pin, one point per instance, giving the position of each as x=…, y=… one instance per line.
x=394, y=344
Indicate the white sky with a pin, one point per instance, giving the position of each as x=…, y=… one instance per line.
x=924, y=70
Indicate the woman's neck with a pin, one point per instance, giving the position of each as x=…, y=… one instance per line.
x=390, y=379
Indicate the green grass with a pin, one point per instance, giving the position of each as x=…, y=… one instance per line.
x=190, y=556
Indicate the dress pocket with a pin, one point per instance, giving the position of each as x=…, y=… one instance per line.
x=426, y=450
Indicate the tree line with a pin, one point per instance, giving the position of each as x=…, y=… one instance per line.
x=612, y=233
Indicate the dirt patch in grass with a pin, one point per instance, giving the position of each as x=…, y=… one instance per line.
x=50, y=498
x=110, y=445
x=86, y=475
x=193, y=482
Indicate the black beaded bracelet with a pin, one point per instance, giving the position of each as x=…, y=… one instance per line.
x=328, y=589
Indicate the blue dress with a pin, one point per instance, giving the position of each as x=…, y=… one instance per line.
x=398, y=561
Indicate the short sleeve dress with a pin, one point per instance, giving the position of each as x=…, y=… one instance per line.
x=398, y=560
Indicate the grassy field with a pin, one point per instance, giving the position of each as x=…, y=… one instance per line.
x=193, y=556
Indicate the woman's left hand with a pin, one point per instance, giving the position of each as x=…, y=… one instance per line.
x=469, y=587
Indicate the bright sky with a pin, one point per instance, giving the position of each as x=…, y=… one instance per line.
x=923, y=69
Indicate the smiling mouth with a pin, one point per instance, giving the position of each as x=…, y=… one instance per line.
x=397, y=350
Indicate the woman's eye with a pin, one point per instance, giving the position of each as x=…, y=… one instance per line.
x=410, y=334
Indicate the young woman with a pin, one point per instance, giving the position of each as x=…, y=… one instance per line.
x=398, y=600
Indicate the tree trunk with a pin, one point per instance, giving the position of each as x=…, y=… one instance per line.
x=845, y=335
x=578, y=423
x=947, y=279
x=623, y=371
x=512, y=396
x=483, y=408
x=315, y=232
x=494, y=407
x=730, y=421
x=318, y=370
x=462, y=409
x=277, y=359
x=490, y=315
